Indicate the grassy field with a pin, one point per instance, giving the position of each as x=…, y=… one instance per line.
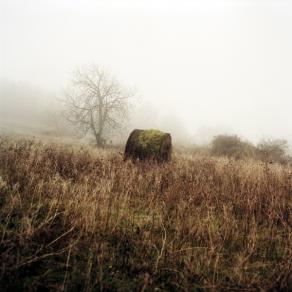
x=74, y=218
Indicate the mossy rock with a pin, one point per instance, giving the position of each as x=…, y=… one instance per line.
x=149, y=145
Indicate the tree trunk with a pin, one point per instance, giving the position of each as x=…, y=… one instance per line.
x=98, y=140
x=97, y=135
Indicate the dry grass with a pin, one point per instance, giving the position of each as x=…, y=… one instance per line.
x=75, y=219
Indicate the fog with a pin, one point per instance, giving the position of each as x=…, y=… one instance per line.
x=200, y=68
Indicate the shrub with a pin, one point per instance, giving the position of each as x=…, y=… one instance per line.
x=273, y=151
x=231, y=146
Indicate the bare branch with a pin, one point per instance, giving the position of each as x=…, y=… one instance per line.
x=96, y=102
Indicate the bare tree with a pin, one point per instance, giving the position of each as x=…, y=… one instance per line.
x=96, y=102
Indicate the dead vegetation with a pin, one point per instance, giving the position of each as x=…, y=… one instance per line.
x=77, y=219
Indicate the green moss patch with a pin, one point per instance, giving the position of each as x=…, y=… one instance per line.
x=151, y=140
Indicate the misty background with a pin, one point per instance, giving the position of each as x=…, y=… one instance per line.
x=200, y=68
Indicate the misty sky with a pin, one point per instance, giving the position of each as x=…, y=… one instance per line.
x=211, y=64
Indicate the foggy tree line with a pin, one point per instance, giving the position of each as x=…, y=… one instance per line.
x=96, y=104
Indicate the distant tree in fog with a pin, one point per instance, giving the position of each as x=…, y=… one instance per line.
x=96, y=102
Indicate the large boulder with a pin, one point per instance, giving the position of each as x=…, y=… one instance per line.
x=149, y=144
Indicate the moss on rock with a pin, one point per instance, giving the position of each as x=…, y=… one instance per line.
x=151, y=140
x=149, y=144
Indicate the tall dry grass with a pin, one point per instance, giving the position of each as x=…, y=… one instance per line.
x=79, y=219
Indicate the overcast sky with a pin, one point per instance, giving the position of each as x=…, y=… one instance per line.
x=213, y=64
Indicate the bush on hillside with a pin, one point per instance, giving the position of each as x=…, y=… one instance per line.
x=231, y=146
x=273, y=151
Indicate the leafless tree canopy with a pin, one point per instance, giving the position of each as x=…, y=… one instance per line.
x=96, y=102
